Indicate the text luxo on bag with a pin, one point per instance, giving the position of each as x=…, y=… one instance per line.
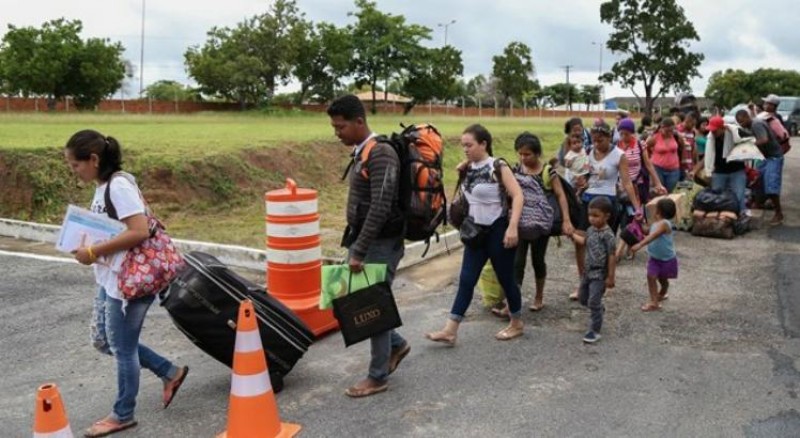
x=366, y=312
x=422, y=197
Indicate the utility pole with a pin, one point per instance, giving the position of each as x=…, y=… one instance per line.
x=599, y=74
x=569, y=90
x=141, y=58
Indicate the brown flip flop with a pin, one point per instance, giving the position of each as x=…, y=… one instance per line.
x=394, y=360
x=171, y=388
x=500, y=313
x=650, y=307
x=107, y=427
x=508, y=333
x=441, y=337
x=354, y=392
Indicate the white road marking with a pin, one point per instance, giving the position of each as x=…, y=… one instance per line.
x=45, y=258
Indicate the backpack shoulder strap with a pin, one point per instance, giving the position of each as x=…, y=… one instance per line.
x=548, y=183
x=498, y=166
x=364, y=155
x=111, y=211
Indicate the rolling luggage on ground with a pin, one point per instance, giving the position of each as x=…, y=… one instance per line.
x=204, y=302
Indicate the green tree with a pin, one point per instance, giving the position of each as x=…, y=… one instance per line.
x=246, y=63
x=652, y=37
x=434, y=75
x=323, y=57
x=54, y=61
x=171, y=90
x=384, y=46
x=514, y=72
x=766, y=81
x=729, y=88
x=589, y=94
x=561, y=93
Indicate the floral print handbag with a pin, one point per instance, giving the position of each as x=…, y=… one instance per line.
x=149, y=267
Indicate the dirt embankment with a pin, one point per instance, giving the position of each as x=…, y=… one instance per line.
x=37, y=184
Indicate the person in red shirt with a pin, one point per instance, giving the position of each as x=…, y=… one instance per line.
x=688, y=151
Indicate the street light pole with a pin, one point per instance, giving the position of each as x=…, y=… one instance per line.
x=445, y=26
x=600, y=73
x=141, y=58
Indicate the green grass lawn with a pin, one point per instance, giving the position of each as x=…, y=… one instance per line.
x=205, y=133
x=167, y=141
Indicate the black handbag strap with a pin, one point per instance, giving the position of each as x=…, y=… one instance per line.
x=350, y=280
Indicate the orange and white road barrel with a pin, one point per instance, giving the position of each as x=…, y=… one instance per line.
x=294, y=254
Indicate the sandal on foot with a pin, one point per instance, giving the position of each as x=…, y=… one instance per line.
x=171, y=387
x=650, y=307
x=359, y=392
x=443, y=337
x=508, y=333
x=500, y=313
x=108, y=426
x=535, y=308
x=398, y=356
x=663, y=297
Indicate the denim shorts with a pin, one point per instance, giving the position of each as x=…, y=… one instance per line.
x=772, y=175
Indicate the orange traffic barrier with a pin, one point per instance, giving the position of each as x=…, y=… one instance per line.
x=50, y=418
x=252, y=411
x=294, y=254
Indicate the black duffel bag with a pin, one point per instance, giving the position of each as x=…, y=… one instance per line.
x=709, y=201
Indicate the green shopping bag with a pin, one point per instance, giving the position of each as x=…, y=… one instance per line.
x=335, y=281
x=491, y=291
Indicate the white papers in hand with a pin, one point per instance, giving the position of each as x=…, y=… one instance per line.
x=81, y=227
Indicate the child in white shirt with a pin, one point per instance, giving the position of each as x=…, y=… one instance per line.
x=576, y=162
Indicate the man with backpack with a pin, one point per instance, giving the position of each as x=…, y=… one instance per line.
x=375, y=224
x=776, y=122
x=772, y=167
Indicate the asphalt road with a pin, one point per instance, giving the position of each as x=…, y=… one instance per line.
x=722, y=359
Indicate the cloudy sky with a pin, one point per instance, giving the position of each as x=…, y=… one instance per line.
x=560, y=33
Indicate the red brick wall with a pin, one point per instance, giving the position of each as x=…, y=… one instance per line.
x=19, y=104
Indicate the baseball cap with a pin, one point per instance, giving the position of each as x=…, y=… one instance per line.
x=626, y=125
x=773, y=99
x=715, y=123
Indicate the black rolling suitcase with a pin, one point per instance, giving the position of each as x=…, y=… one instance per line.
x=203, y=302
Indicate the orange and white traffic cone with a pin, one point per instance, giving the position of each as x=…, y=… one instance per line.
x=253, y=411
x=50, y=418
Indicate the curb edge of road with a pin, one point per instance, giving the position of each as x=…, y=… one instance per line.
x=234, y=255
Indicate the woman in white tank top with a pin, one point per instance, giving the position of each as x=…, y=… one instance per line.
x=608, y=166
x=486, y=207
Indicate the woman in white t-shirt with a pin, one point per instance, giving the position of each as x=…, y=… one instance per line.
x=609, y=167
x=116, y=322
x=487, y=208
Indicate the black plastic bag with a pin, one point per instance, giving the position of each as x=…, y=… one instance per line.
x=710, y=201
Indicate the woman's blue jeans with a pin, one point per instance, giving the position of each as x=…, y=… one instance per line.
x=503, y=263
x=116, y=333
x=669, y=178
